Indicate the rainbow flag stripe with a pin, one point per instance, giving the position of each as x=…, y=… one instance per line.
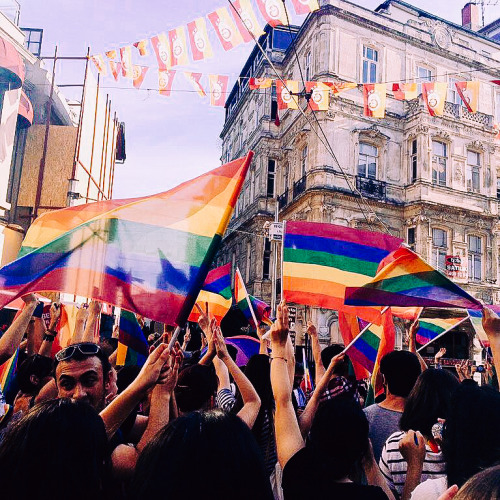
x=430, y=328
x=320, y=260
x=476, y=318
x=219, y=281
x=260, y=308
x=7, y=372
x=409, y=281
x=126, y=356
x=365, y=348
x=131, y=334
x=138, y=254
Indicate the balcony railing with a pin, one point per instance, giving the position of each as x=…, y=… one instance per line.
x=283, y=200
x=371, y=187
x=299, y=187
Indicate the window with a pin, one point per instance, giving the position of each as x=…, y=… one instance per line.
x=252, y=185
x=497, y=107
x=370, y=60
x=475, y=258
x=410, y=239
x=473, y=171
x=423, y=74
x=307, y=66
x=439, y=160
x=240, y=135
x=274, y=102
x=271, y=173
x=303, y=162
x=33, y=40
x=453, y=95
x=439, y=248
x=413, y=161
x=285, y=176
x=266, y=267
x=248, y=261
x=367, y=163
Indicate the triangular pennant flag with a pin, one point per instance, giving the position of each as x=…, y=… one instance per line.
x=273, y=12
x=115, y=68
x=320, y=96
x=198, y=39
x=405, y=91
x=469, y=93
x=165, y=81
x=374, y=95
x=161, y=49
x=434, y=94
x=126, y=59
x=476, y=318
x=139, y=74
x=349, y=329
x=111, y=54
x=98, y=60
x=194, y=80
x=430, y=328
x=284, y=94
x=178, y=47
x=260, y=83
x=142, y=47
x=246, y=20
x=305, y=6
x=218, y=89
x=225, y=29
x=338, y=87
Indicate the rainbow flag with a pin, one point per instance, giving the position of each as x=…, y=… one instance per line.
x=364, y=349
x=320, y=260
x=349, y=328
x=215, y=295
x=148, y=255
x=410, y=281
x=7, y=372
x=430, y=328
x=476, y=318
x=260, y=309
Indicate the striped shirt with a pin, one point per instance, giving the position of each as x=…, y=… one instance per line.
x=393, y=465
x=225, y=400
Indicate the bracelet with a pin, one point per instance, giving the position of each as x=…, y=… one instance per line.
x=52, y=332
x=280, y=357
x=49, y=338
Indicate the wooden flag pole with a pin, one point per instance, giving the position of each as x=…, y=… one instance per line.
x=444, y=333
x=248, y=299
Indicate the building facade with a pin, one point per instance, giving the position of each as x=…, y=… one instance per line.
x=429, y=180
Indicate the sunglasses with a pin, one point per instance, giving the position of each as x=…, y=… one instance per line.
x=85, y=348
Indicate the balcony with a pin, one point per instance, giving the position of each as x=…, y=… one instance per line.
x=371, y=187
x=283, y=200
x=299, y=187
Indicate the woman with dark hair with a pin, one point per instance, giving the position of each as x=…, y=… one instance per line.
x=60, y=449
x=471, y=441
x=485, y=485
x=429, y=400
x=202, y=454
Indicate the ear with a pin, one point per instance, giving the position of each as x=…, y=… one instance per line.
x=107, y=380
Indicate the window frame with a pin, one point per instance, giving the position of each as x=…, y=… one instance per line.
x=474, y=257
x=369, y=66
x=435, y=160
x=271, y=178
x=366, y=174
x=266, y=261
x=413, y=160
x=303, y=161
x=439, y=252
x=473, y=171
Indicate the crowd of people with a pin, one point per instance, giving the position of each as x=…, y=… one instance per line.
x=196, y=425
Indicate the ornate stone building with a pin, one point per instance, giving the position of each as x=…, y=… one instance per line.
x=430, y=180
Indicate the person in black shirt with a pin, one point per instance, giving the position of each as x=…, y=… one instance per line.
x=338, y=438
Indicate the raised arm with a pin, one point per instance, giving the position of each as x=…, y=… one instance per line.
x=491, y=325
x=80, y=321
x=208, y=329
x=288, y=438
x=251, y=400
x=412, y=343
x=51, y=333
x=14, y=334
x=412, y=447
x=89, y=335
x=187, y=338
x=316, y=350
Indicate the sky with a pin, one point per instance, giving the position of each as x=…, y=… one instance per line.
x=168, y=139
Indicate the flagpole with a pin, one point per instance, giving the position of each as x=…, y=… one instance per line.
x=361, y=333
x=444, y=333
x=248, y=299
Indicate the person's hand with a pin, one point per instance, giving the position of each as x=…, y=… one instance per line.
x=449, y=493
x=220, y=344
x=412, y=447
x=95, y=307
x=203, y=319
x=491, y=324
x=169, y=374
x=463, y=370
x=439, y=355
x=187, y=335
x=30, y=299
x=311, y=329
x=335, y=361
x=82, y=314
x=279, y=330
x=55, y=314
x=150, y=372
x=261, y=331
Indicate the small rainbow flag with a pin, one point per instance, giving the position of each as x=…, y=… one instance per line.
x=320, y=260
x=133, y=348
x=257, y=309
x=410, y=281
x=365, y=347
x=148, y=255
x=430, y=328
x=7, y=372
x=476, y=318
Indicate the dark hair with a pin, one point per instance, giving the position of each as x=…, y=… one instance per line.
x=195, y=386
x=258, y=371
x=202, y=450
x=471, y=441
x=327, y=355
x=79, y=356
x=401, y=370
x=485, y=485
x=57, y=450
x=338, y=437
x=108, y=345
x=125, y=376
x=429, y=400
x=39, y=366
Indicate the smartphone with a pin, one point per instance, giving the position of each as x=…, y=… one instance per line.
x=37, y=313
x=480, y=369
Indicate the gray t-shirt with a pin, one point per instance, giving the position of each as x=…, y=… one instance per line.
x=382, y=424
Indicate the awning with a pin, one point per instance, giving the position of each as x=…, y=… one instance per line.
x=11, y=66
x=25, y=112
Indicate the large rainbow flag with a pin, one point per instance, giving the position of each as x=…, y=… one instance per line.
x=260, y=309
x=410, y=281
x=430, y=328
x=148, y=255
x=320, y=260
x=133, y=348
x=215, y=295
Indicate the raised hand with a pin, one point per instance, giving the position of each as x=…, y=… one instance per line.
x=311, y=329
x=279, y=330
x=220, y=344
x=439, y=354
x=150, y=372
x=30, y=299
x=412, y=447
x=95, y=307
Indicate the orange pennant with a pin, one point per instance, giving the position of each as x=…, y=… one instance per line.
x=178, y=47
x=126, y=58
x=161, y=49
x=142, y=47
x=469, y=93
x=194, y=80
x=374, y=95
x=98, y=60
x=165, y=81
x=218, y=89
x=139, y=74
x=320, y=96
x=434, y=94
x=405, y=91
x=198, y=39
x=225, y=29
x=246, y=20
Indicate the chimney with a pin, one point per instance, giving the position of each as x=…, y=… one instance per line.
x=470, y=16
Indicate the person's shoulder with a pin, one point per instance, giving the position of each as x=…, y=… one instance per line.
x=431, y=488
x=355, y=491
x=298, y=466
